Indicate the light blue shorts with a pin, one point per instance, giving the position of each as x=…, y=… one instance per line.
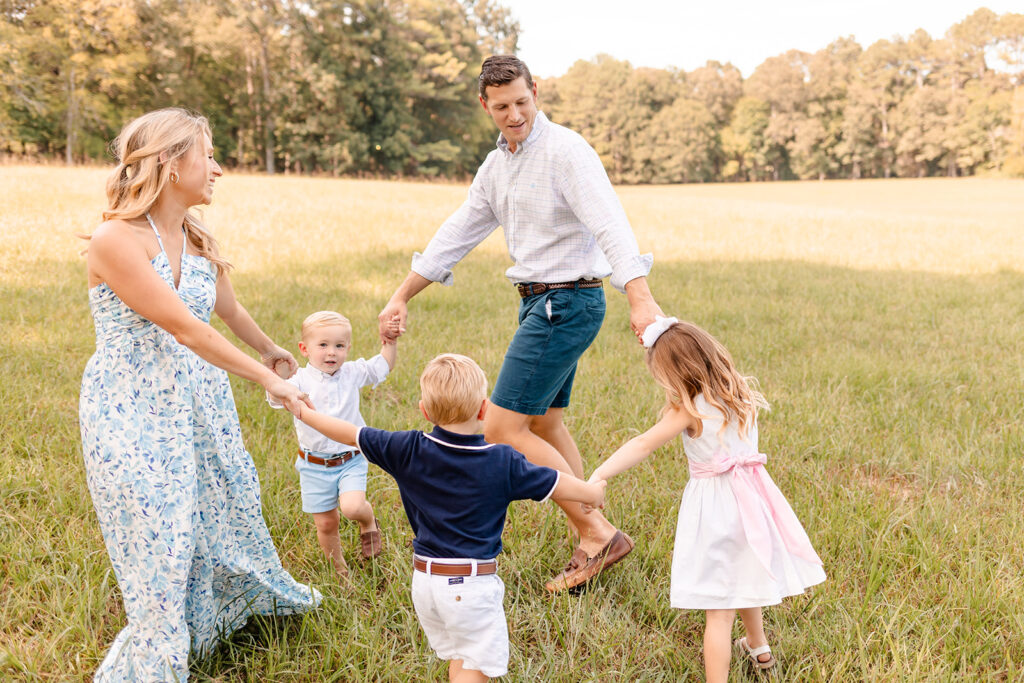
x=322, y=485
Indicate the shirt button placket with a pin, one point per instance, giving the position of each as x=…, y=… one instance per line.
x=512, y=199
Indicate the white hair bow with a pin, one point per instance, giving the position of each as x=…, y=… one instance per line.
x=656, y=329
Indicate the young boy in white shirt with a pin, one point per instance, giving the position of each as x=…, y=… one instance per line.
x=332, y=475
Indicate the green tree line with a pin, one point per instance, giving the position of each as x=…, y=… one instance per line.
x=380, y=87
x=387, y=88
x=914, y=106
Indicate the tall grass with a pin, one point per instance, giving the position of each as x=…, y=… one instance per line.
x=883, y=319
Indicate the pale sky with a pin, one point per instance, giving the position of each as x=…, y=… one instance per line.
x=685, y=34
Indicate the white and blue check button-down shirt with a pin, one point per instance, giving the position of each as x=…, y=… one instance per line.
x=561, y=217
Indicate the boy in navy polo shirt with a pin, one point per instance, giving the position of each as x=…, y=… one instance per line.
x=456, y=489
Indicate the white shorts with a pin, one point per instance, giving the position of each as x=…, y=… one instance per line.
x=464, y=618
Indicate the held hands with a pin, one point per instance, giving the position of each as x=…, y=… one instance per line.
x=289, y=395
x=280, y=361
x=596, y=487
x=391, y=321
x=641, y=315
x=642, y=306
x=392, y=330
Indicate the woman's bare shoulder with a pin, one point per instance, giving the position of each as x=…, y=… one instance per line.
x=112, y=228
x=115, y=241
x=115, y=232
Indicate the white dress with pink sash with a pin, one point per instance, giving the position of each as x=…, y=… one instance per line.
x=738, y=542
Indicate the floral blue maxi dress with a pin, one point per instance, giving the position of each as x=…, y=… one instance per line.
x=176, y=493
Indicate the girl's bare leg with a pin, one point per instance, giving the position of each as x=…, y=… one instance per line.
x=753, y=624
x=456, y=674
x=718, y=644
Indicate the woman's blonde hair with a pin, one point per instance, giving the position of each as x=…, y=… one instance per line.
x=323, y=319
x=144, y=151
x=452, y=387
x=686, y=361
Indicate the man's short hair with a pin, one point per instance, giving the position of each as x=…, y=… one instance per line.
x=452, y=388
x=323, y=319
x=502, y=69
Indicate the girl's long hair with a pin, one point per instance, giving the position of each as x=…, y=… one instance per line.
x=144, y=150
x=686, y=361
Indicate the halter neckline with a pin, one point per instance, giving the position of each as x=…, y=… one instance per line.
x=181, y=258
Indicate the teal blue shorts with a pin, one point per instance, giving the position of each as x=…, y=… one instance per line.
x=555, y=328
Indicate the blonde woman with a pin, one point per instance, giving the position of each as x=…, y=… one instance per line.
x=175, y=491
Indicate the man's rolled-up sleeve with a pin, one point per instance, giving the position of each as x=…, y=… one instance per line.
x=586, y=188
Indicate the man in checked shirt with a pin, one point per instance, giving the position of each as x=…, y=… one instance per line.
x=565, y=230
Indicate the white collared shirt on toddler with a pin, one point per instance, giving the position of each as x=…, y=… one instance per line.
x=335, y=395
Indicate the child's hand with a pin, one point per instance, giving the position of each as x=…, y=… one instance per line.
x=597, y=490
x=390, y=321
x=393, y=329
x=289, y=395
x=280, y=361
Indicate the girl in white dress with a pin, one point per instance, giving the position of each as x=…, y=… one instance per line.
x=738, y=544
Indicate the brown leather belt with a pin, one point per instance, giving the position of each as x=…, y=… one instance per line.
x=465, y=569
x=328, y=462
x=533, y=288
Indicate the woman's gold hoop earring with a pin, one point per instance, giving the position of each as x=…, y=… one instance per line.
x=174, y=177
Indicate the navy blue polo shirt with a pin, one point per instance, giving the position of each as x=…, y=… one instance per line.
x=456, y=488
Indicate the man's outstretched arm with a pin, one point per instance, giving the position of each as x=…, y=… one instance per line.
x=398, y=305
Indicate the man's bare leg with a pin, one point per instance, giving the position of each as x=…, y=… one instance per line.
x=544, y=440
x=551, y=427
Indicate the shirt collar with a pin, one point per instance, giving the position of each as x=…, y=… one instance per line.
x=540, y=123
x=472, y=441
x=320, y=375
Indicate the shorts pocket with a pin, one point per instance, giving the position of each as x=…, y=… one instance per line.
x=595, y=306
x=558, y=305
x=474, y=598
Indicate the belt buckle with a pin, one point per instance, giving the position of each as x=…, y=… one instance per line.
x=324, y=462
x=535, y=288
x=339, y=458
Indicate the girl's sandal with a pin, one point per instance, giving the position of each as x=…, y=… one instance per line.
x=752, y=654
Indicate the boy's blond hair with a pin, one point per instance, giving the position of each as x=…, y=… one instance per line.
x=452, y=388
x=323, y=319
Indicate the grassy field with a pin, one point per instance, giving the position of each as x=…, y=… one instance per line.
x=885, y=321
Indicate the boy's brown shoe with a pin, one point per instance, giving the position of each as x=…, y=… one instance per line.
x=582, y=568
x=371, y=542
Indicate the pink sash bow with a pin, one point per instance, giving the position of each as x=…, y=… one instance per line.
x=758, y=499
